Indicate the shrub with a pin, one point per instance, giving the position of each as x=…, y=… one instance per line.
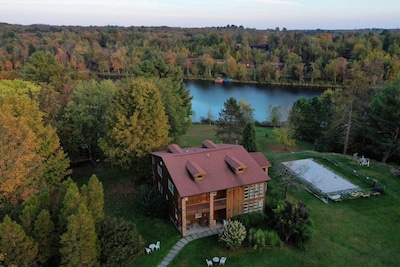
x=233, y=234
x=294, y=224
x=151, y=202
x=250, y=220
x=120, y=241
x=259, y=238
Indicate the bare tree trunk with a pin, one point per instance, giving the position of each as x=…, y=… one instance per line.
x=346, y=139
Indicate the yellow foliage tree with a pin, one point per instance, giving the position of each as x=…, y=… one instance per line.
x=137, y=125
x=30, y=150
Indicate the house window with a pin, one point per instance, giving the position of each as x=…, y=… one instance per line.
x=254, y=191
x=171, y=186
x=253, y=206
x=160, y=188
x=159, y=170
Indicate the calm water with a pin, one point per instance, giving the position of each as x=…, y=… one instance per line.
x=210, y=96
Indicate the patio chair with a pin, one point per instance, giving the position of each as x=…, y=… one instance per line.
x=209, y=262
x=222, y=261
x=158, y=245
x=148, y=251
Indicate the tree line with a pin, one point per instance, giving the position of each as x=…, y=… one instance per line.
x=268, y=56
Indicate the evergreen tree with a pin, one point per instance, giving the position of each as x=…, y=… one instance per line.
x=120, y=241
x=177, y=104
x=137, y=125
x=384, y=118
x=70, y=204
x=28, y=217
x=44, y=234
x=249, y=137
x=95, y=199
x=230, y=122
x=20, y=250
x=79, y=244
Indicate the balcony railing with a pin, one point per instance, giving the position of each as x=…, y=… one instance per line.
x=205, y=206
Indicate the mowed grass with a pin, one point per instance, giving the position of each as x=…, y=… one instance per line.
x=358, y=232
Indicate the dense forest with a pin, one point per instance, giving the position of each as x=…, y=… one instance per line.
x=268, y=56
x=115, y=94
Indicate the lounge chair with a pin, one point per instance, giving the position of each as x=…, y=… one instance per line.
x=157, y=245
x=222, y=261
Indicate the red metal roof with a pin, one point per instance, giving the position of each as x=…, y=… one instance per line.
x=212, y=160
x=261, y=160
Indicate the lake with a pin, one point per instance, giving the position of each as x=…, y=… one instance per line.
x=211, y=96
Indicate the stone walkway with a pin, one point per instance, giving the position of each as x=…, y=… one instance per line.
x=181, y=243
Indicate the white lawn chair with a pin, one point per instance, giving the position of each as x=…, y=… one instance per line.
x=209, y=262
x=222, y=261
x=148, y=251
x=157, y=245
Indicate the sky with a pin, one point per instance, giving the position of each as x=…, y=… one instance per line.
x=259, y=14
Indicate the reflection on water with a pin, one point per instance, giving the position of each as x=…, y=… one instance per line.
x=210, y=96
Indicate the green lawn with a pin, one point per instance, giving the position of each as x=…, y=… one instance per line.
x=358, y=232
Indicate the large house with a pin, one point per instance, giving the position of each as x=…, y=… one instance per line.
x=209, y=184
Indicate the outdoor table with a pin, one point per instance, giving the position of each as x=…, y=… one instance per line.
x=215, y=259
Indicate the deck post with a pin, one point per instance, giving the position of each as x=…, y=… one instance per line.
x=212, y=222
x=184, y=233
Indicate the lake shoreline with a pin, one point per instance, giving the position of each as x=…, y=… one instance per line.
x=208, y=97
x=299, y=85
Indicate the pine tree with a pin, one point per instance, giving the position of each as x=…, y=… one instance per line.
x=28, y=217
x=95, y=199
x=249, y=141
x=71, y=202
x=79, y=244
x=44, y=234
x=230, y=122
x=20, y=250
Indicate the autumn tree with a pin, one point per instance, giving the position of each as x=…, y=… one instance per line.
x=283, y=136
x=22, y=119
x=20, y=250
x=137, y=125
x=31, y=150
x=230, y=122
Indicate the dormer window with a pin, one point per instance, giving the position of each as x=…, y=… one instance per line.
x=196, y=172
x=236, y=165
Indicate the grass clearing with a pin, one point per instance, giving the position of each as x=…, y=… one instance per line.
x=357, y=232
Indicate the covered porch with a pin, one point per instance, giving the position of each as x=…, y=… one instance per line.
x=202, y=215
